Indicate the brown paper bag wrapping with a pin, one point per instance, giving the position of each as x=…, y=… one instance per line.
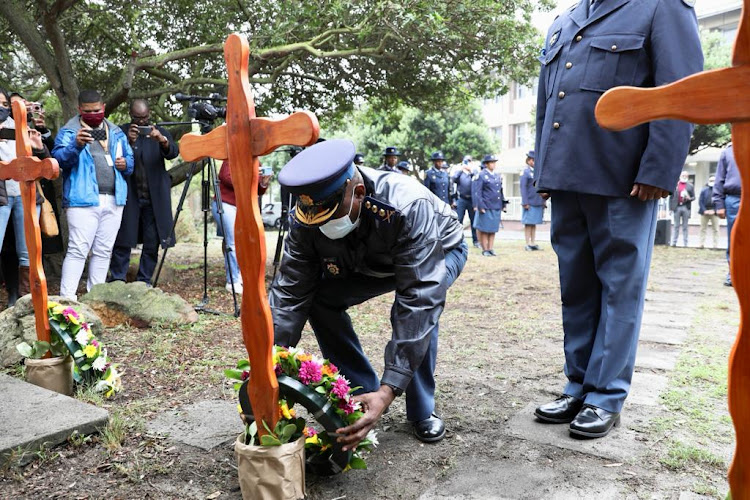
x=271, y=472
x=55, y=374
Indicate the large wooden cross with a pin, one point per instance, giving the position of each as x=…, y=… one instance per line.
x=241, y=140
x=27, y=169
x=717, y=96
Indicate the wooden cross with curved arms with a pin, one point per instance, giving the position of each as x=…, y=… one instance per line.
x=241, y=140
x=27, y=169
x=717, y=96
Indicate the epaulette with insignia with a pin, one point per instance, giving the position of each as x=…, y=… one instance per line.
x=379, y=210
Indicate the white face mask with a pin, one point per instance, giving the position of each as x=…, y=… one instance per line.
x=338, y=228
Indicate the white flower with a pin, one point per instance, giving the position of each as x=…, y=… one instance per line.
x=99, y=363
x=82, y=337
x=372, y=436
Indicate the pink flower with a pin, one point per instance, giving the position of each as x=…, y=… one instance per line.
x=348, y=406
x=340, y=388
x=310, y=372
x=95, y=343
x=70, y=312
x=332, y=367
x=245, y=375
x=85, y=326
x=310, y=432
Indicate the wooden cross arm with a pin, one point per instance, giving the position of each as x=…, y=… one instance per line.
x=297, y=129
x=29, y=168
x=710, y=97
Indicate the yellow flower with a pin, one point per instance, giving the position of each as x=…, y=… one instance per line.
x=51, y=304
x=313, y=440
x=326, y=370
x=284, y=354
x=239, y=409
x=89, y=351
x=275, y=359
x=304, y=357
x=59, y=308
x=286, y=412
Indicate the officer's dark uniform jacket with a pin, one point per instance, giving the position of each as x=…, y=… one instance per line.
x=404, y=233
x=487, y=191
x=584, y=57
x=438, y=181
x=529, y=195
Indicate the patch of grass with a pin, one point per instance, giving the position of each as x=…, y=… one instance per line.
x=188, y=266
x=114, y=434
x=77, y=440
x=682, y=457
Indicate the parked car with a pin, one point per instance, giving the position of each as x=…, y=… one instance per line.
x=271, y=213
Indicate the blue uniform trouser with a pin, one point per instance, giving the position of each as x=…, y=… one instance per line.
x=462, y=206
x=732, y=206
x=339, y=343
x=603, y=246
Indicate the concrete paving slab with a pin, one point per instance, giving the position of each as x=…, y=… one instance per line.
x=33, y=417
x=667, y=320
x=205, y=424
x=621, y=444
x=661, y=335
x=656, y=359
x=645, y=389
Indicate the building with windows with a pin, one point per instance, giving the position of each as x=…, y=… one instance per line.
x=511, y=117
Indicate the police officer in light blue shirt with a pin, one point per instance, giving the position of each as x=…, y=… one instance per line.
x=437, y=179
x=604, y=187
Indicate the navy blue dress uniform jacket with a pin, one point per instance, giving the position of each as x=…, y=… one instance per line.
x=404, y=232
x=529, y=195
x=439, y=182
x=463, y=182
x=487, y=191
x=584, y=57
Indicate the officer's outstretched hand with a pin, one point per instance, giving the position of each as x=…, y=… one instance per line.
x=644, y=192
x=373, y=404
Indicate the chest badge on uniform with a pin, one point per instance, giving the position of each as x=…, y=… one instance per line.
x=332, y=269
x=556, y=36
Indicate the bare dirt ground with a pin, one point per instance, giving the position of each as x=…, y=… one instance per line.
x=500, y=349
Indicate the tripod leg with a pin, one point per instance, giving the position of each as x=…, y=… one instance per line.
x=220, y=221
x=189, y=177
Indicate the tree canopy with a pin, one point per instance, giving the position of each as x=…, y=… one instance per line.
x=418, y=133
x=324, y=56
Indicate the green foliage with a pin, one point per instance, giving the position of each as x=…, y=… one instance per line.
x=322, y=56
x=717, y=54
x=456, y=131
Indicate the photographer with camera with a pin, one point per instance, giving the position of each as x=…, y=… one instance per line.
x=95, y=158
x=148, y=212
x=11, y=206
x=229, y=209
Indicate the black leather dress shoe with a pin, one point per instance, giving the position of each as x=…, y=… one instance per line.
x=430, y=430
x=560, y=411
x=593, y=422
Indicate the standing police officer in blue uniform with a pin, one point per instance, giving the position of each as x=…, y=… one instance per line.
x=462, y=179
x=357, y=233
x=488, y=198
x=532, y=204
x=437, y=179
x=390, y=159
x=605, y=187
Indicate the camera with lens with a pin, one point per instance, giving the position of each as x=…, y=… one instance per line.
x=205, y=111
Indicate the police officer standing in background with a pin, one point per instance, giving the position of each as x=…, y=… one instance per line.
x=532, y=204
x=488, y=198
x=357, y=233
x=390, y=159
x=403, y=167
x=462, y=179
x=605, y=187
x=437, y=179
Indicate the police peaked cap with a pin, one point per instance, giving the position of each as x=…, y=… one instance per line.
x=391, y=151
x=318, y=176
x=530, y=154
x=404, y=165
x=489, y=158
x=359, y=159
x=437, y=155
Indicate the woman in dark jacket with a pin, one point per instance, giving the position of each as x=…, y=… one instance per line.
x=487, y=195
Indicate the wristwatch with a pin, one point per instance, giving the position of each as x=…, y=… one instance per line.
x=397, y=391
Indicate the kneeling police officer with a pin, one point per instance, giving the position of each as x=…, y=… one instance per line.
x=357, y=233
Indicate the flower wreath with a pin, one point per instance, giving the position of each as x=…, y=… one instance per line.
x=322, y=377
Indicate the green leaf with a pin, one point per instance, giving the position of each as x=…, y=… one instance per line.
x=268, y=440
x=287, y=433
x=24, y=349
x=233, y=374
x=357, y=463
x=320, y=389
x=243, y=364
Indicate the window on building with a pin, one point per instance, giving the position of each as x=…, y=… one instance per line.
x=519, y=135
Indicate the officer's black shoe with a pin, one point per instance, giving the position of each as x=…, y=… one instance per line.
x=430, y=430
x=560, y=411
x=492, y=252
x=593, y=422
x=528, y=248
x=728, y=281
x=535, y=247
x=487, y=253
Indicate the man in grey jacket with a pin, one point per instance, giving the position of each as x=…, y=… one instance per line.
x=357, y=233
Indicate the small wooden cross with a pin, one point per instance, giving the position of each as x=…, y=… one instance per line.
x=27, y=169
x=717, y=96
x=241, y=140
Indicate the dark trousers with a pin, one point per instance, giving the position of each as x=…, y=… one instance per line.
x=118, y=265
x=603, y=246
x=339, y=343
x=464, y=206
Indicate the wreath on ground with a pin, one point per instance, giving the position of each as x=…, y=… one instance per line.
x=327, y=395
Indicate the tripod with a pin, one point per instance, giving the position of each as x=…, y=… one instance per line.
x=206, y=186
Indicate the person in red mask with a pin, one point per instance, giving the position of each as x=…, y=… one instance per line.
x=95, y=157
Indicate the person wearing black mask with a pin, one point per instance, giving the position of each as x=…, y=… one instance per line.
x=149, y=206
x=95, y=157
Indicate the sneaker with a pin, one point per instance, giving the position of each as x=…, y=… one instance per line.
x=237, y=288
x=528, y=248
x=487, y=253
